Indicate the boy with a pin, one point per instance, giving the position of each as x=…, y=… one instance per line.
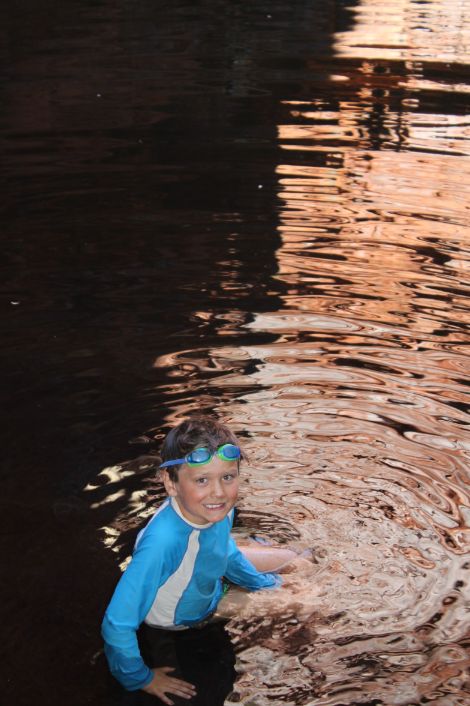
x=174, y=581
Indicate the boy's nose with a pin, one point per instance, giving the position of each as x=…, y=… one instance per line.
x=217, y=489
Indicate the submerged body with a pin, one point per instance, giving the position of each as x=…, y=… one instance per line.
x=173, y=581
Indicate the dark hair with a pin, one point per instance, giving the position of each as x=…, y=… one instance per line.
x=191, y=434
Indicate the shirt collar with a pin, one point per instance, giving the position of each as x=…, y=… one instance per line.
x=177, y=509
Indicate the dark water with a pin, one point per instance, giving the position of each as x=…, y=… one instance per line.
x=262, y=209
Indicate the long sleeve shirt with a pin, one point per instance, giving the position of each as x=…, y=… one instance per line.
x=173, y=581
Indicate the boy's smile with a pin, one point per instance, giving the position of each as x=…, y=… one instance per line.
x=206, y=494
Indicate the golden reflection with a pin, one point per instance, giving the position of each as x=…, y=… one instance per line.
x=411, y=32
x=438, y=30
x=359, y=223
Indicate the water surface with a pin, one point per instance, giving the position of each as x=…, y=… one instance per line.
x=259, y=210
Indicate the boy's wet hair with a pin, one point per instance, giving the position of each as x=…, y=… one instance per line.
x=192, y=434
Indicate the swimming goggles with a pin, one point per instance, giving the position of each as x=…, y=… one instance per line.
x=202, y=455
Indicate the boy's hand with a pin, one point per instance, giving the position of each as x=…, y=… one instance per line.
x=163, y=683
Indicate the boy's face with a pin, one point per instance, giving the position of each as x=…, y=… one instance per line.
x=205, y=494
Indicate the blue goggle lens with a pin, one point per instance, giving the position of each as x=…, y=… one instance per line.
x=228, y=452
x=198, y=456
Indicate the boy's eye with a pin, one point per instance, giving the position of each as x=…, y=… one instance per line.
x=201, y=481
x=229, y=476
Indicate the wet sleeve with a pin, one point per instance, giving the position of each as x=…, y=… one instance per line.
x=243, y=573
x=129, y=605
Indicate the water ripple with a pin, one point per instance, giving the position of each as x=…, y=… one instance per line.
x=312, y=207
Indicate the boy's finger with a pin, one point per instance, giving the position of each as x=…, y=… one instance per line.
x=184, y=684
x=183, y=691
x=177, y=686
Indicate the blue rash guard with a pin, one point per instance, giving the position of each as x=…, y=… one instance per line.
x=173, y=581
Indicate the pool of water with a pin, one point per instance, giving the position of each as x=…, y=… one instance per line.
x=259, y=209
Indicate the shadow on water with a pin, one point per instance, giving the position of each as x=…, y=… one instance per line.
x=212, y=205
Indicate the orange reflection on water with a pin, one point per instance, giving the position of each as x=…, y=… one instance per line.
x=360, y=223
x=438, y=30
x=419, y=34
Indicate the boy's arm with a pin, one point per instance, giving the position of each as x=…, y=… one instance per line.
x=129, y=605
x=243, y=573
x=125, y=663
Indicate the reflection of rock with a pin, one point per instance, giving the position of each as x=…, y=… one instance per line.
x=284, y=632
x=281, y=671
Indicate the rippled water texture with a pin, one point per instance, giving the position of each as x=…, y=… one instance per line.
x=262, y=209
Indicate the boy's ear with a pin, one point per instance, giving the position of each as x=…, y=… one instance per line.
x=170, y=485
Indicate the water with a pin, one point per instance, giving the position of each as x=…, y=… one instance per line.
x=263, y=210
